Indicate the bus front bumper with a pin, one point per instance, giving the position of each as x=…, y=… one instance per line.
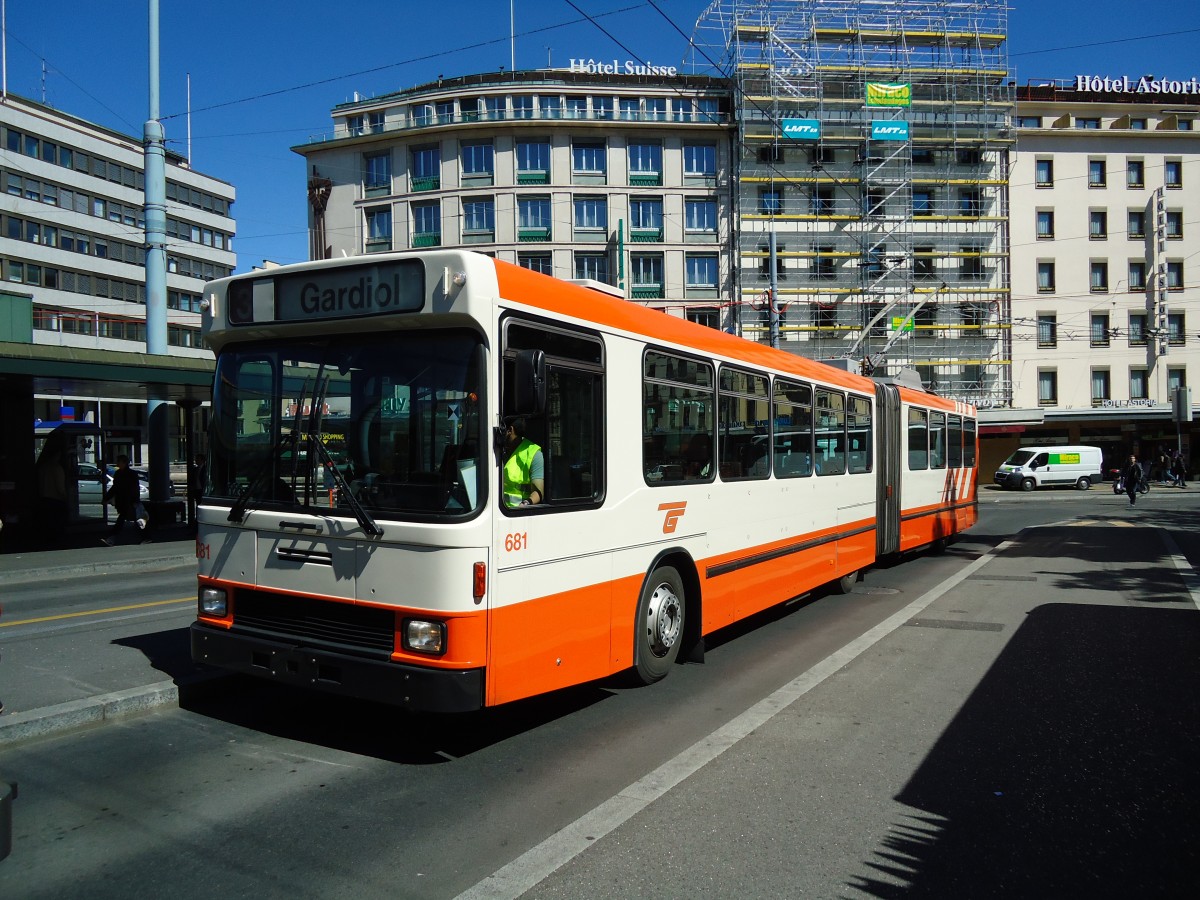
x=410, y=687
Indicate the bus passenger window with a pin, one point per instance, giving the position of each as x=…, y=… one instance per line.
x=918, y=439
x=831, y=433
x=792, y=415
x=937, y=440
x=678, y=422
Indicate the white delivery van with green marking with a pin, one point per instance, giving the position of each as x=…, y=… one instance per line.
x=1035, y=467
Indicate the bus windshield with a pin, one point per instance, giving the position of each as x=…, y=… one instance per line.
x=376, y=426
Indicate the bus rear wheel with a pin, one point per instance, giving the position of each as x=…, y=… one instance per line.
x=658, y=629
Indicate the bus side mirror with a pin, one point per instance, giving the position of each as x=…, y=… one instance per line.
x=529, y=394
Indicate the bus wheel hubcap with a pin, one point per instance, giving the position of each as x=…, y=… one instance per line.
x=664, y=620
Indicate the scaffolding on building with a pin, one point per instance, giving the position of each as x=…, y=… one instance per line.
x=874, y=141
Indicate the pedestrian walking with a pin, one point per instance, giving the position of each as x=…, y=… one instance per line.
x=125, y=495
x=1178, y=470
x=1133, y=478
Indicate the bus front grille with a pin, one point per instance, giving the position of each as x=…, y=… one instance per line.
x=310, y=622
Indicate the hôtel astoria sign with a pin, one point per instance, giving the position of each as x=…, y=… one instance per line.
x=1147, y=84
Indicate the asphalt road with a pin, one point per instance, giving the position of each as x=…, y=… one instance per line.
x=1011, y=718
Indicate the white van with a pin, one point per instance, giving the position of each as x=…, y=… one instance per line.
x=1035, y=467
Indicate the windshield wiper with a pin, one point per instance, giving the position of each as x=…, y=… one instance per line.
x=237, y=512
x=368, y=524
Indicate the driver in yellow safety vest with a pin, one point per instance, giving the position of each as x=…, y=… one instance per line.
x=524, y=468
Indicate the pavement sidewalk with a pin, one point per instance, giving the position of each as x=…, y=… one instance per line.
x=83, y=554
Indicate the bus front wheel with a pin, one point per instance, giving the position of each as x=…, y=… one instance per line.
x=658, y=630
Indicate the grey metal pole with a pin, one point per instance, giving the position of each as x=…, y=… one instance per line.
x=157, y=408
x=772, y=300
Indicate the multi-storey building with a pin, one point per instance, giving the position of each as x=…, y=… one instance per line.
x=72, y=244
x=1106, y=260
x=872, y=161
x=607, y=172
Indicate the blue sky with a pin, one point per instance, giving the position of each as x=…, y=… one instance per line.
x=266, y=73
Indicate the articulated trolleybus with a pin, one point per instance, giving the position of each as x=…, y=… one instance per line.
x=365, y=530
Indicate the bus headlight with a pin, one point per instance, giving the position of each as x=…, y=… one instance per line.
x=213, y=602
x=422, y=636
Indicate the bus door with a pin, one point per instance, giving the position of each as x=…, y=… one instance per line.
x=887, y=515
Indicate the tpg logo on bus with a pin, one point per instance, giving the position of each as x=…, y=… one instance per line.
x=348, y=291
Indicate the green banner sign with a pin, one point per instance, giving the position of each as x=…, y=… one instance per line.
x=889, y=94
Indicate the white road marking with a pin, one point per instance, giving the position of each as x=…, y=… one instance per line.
x=531, y=867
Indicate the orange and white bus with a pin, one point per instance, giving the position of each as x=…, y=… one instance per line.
x=355, y=536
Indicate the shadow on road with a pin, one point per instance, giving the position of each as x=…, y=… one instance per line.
x=1070, y=771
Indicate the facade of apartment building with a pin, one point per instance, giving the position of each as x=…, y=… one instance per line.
x=72, y=245
x=617, y=177
x=1106, y=261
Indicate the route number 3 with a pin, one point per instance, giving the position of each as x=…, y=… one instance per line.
x=514, y=543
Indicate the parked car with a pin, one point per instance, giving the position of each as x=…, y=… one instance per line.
x=91, y=489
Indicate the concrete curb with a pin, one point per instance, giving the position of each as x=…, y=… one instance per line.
x=109, y=567
x=19, y=727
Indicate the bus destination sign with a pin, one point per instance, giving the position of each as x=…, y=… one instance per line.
x=348, y=291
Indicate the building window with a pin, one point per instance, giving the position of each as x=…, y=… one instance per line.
x=702, y=272
x=1101, y=386
x=922, y=156
x=1184, y=124
x=533, y=162
x=536, y=262
x=1176, y=378
x=1045, y=224
x=823, y=263
x=588, y=158
x=577, y=107
x=426, y=168
x=593, y=266
x=709, y=316
x=969, y=203
x=1136, y=226
x=630, y=108
x=550, y=106
x=970, y=263
x=645, y=164
x=1137, y=124
x=477, y=160
x=1139, y=384
x=522, y=107
x=591, y=214
x=1135, y=173
x=1176, y=329
x=1173, y=173
x=1045, y=277
x=1099, y=330
x=646, y=275
x=427, y=224
x=700, y=160
x=1047, y=330
x=645, y=219
x=1137, y=329
x=770, y=201
x=1174, y=276
x=822, y=200
x=495, y=108
x=1097, y=176
x=377, y=173
x=379, y=229
x=1098, y=224
x=684, y=110
x=1099, y=277
x=602, y=108
x=479, y=216
x=922, y=202
x=700, y=216
x=1137, y=275
x=1174, y=224
x=1088, y=122
x=533, y=219
x=1043, y=170
x=1029, y=121
x=656, y=109
x=1047, y=387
